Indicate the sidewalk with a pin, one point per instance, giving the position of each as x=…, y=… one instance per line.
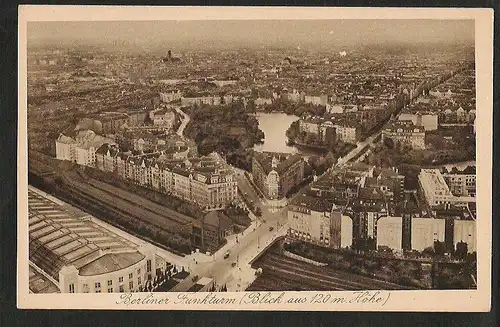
x=231, y=242
x=241, y=276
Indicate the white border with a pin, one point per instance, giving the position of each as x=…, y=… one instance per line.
x=431, y=301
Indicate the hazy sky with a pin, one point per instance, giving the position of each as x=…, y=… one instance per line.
x=254, y=33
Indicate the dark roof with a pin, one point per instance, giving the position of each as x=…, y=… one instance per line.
x=405, y=125
x=111, y=262
x=371, y=193
x=312, y=203
x=218, y=219
x=286, y=160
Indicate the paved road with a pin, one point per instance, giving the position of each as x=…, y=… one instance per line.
x=185, y=121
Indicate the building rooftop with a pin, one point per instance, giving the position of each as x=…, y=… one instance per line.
x=283, y=161
x=39, y=283
x=111, y=262
x=61, y=235
x=312, y=203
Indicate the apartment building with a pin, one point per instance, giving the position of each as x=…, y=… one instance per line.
x=436, y=192
x=461, y=183
x=275, y=174
x=426, y=231
x=206, y=181
x=405, y=133
x=429, y=121
x=390, y=233
x=174, y=95
x=316, y=221
x=80, y=146
x=163, y=117
x=205, y=100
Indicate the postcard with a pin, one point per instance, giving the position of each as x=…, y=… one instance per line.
x=255, y=158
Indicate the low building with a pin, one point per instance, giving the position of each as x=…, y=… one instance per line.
x=390, y=233
x=426, y=231
x=405, y=133
x=80, y=255
x=275, y=174
x=216, y=227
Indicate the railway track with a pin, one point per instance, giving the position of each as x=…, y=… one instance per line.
x=126, y=207
x=278, y=267
x=141, y=202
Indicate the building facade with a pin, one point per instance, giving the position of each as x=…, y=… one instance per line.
x=405, y=133
x=426, y=231
x=316, y=221
x=275, y=174
x=80, y=147
x=80, y=255
x=465, y=231
x=390, y=233
x=434, y=189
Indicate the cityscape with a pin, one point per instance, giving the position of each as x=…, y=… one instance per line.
x=232, y=156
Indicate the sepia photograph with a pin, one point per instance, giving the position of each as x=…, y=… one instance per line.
x=262, y=156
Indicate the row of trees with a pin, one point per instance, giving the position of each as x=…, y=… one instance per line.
x=295, y=108
x=226, y=129
x=413, y=273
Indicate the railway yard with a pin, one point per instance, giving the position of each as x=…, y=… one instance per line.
x=282, y=273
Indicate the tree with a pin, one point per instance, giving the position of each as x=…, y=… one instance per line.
x=439, y=248
x=461, y=250
x=429, y=251
x=389, y=143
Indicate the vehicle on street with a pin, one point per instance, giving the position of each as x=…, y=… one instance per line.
x=226, y=255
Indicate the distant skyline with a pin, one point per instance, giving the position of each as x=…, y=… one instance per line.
x=268, y=33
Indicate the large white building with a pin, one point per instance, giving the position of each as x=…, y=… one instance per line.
x=465, y=231
x=435, y=190
x=81, y=147
x=170, y=96
x=390, y=233
x=346, y=133
x=78, y=254
x=207, y=100
x=405, y=133
x=315, y=221
x=428, y=121
x=425, y=231
x=163, y=117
